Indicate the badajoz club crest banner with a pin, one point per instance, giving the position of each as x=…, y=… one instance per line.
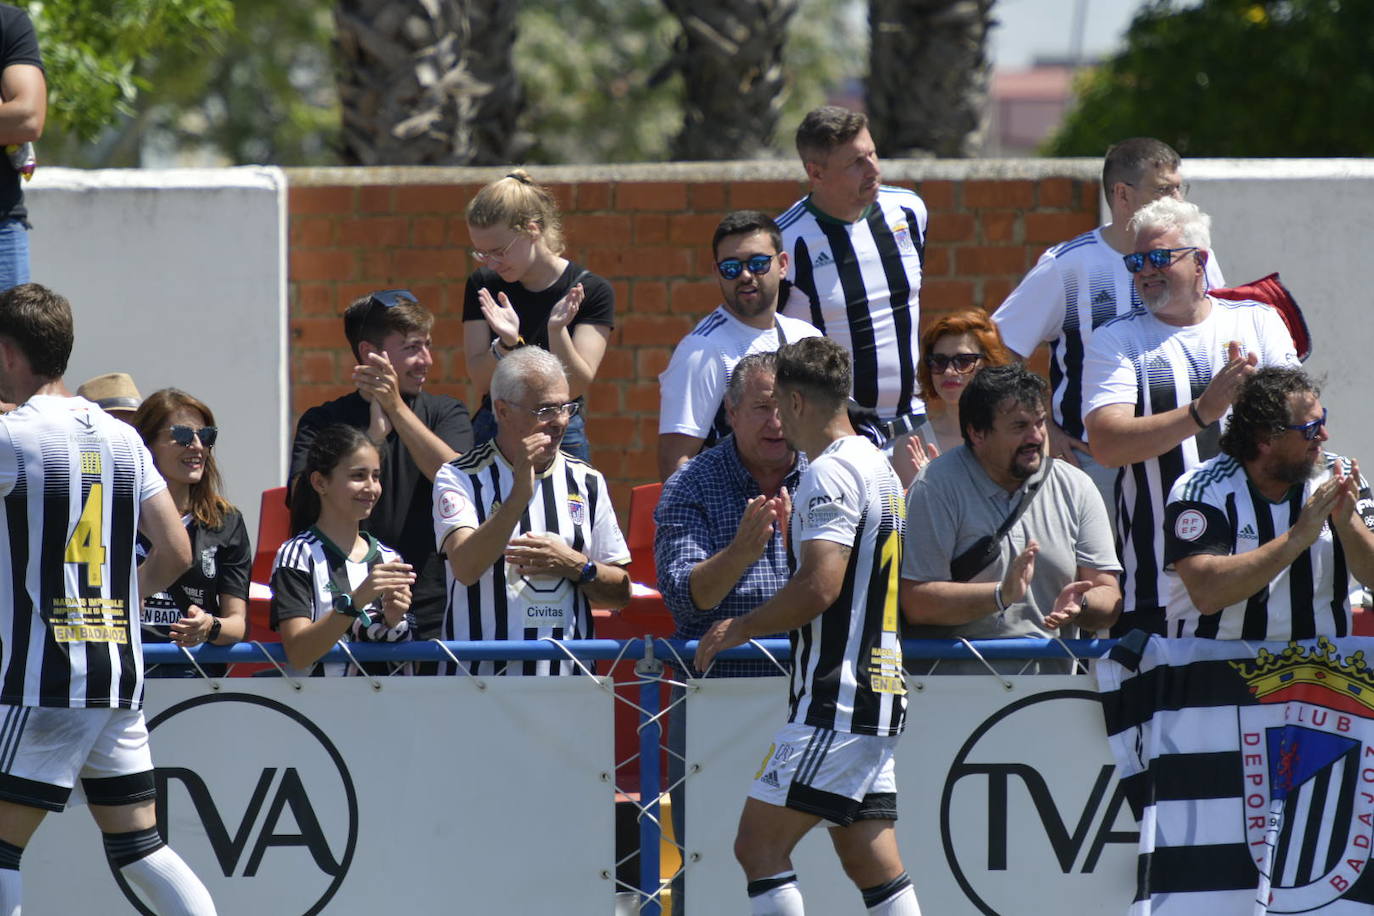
x=1251, y=769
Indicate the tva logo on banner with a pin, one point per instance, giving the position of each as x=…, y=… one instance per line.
x=265, y=811
x=1021, y=808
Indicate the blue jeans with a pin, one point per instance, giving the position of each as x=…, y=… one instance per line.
x=574, y=437
x=14, y=254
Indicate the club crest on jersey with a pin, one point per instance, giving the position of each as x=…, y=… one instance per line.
x=577, y=509
x=1308, y=799
x=902, y=233
x=207, y=562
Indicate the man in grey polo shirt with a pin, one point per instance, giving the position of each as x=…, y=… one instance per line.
x=1002, y=541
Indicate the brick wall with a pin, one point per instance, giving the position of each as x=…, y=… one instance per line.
x=647, y=230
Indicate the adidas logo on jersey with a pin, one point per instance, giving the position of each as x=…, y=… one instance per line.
x=1104, y=297
x=1248, y=532
x=770, y=778
x=823, y=260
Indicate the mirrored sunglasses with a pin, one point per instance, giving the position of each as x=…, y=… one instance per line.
x=1159, y=258
x=758, y=264
x=1309, y=430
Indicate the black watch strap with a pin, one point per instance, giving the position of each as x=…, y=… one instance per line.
x=214, y=631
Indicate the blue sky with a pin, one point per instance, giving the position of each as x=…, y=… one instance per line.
x=1043, y=27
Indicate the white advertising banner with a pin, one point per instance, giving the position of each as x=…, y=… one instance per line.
x=429, y=795
x=1008, y=800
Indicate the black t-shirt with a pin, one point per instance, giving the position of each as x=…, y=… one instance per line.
x=18, y=45
x=402, y=518
x=221, y=564
x=598, y=302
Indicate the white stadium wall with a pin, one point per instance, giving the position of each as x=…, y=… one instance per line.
x=178, y=277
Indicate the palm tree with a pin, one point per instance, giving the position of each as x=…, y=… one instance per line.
x=730, y=56
x=427, y=82
x=928, y=76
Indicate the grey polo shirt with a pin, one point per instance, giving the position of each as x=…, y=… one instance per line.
x=954, y=503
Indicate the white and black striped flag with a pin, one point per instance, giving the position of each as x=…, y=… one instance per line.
x=1250, y=767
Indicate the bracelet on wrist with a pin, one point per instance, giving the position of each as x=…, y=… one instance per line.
x=1197, y=417
x=997, y=597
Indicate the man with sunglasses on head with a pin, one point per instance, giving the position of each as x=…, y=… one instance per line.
x=529, y=532
x=856, y=249
x=1262, y=541
x=1079, y=285
x=1003, y=541
x=415, y=431
x=1158, y=382
x=750, y=264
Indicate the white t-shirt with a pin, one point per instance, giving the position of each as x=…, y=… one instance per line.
x=1156, y=367
x=692, y=388
x=1076, y=287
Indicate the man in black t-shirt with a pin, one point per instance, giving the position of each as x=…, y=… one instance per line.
x=23, y=109
x=416, y=432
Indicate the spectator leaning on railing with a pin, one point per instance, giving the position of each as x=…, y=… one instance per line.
x=530, y=536
x=1002, y=541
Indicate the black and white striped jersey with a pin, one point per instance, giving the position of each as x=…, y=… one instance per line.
x=73, y=480
x=1076, y=287
x=570, y=500
x=1157, y=367
x=859, y=283
x=1213, y=509
x=307, y=574
x=847, y=674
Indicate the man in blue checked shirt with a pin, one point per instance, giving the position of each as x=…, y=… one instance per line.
x=720, y=542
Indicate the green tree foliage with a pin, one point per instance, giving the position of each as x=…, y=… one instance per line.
x=601, y=83
x=1235, y=78
x=92, y=50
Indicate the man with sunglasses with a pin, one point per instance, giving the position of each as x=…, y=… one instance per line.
x=416, y=431
x=530, y=535
x=750, y=264
x=1262, y=541
x=1079, y=285
x=1157, y=383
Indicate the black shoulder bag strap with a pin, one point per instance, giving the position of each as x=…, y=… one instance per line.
x=983, y=551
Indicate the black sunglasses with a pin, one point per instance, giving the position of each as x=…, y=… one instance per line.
x=1309, y=430
x=962, y=362
x=1159, y=258
x=757, y=264
x=381, y=299
x=185, y=435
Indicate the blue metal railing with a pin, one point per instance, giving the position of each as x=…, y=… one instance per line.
x=647, y=655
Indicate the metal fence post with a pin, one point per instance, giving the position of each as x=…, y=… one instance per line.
x=650, y=673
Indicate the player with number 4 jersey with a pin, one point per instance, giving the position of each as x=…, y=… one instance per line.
x=77, y=487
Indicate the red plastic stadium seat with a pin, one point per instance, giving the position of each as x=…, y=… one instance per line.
x=640, y=539
x=274, y=527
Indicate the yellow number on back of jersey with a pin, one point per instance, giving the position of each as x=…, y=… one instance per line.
x=888, y=556
x=87, y=543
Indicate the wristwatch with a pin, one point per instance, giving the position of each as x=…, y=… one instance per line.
x=588, y=573
x=214, y=631
x=343, y=604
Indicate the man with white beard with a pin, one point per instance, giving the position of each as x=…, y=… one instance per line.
x=1158, y=383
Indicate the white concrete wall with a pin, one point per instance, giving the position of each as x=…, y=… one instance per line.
x=178, y=277
x=1312, y=220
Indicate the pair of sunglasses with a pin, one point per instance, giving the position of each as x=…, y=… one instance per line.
x=962, y=362
x=185, y=435
x=1159, y=258
x=1309, y=430
x=757, y=265
x=545, y=414
x=381, y=299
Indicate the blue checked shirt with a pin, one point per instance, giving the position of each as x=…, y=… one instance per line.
x=697, y=516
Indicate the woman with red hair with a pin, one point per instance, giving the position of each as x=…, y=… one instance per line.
x=953, y=349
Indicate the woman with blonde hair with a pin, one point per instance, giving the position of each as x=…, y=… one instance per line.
x=209, y=603
x=525, y=293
